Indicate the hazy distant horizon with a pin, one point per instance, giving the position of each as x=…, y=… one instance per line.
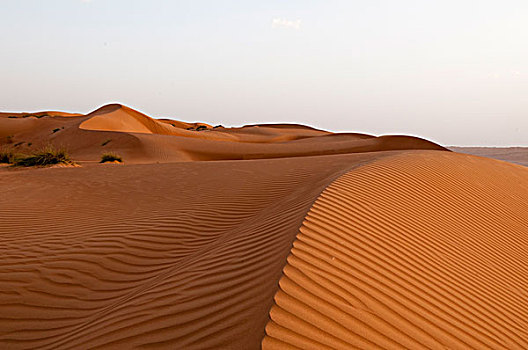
x=448, y=71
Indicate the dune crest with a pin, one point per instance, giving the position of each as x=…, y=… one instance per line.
x=413, y=251
x=116, y=117
x=184, y=255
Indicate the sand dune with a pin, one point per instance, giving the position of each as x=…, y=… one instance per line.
x=292, y=238
x=37, y=115
x=411, y=252
x=142, y=139
x=517, y=155
x=116, y=117
x=165, y=255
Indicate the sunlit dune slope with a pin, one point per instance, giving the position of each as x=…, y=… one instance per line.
x=116, y=117
x=413, y=251
x=182, y=256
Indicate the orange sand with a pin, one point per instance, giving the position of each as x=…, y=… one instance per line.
x=517, y=155
x=412, y=251
x=378, y=242
x=141, y=139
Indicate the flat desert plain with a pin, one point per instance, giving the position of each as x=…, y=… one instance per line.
x=265, y=236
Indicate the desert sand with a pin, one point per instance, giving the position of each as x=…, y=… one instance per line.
x=517, y=155
x=264, y=236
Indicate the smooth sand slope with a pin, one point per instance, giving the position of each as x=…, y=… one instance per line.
x=378, y=242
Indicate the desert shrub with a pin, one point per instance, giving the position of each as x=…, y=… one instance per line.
x=29, y=144
x=6, y=157
x=48, y=155
x=106, y=142
x=218, y=126
x=55, y=130
x=111, y=157
x=12, y=116
x=201, y=127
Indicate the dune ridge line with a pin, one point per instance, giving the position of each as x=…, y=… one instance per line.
x=382, y=262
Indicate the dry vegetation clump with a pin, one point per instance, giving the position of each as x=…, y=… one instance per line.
x=45, y=156
x=198, y=128
x=111, y=157
x=6, y=156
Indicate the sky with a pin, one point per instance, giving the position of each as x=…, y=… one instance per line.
x=454, y=72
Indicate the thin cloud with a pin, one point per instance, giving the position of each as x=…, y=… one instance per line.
x=285, y=23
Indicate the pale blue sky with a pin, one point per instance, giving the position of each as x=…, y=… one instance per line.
x=455, y=72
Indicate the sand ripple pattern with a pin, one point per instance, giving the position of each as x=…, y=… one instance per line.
x=181, y=256
x=410, y=252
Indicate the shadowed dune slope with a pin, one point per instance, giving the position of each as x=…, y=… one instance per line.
x=204, y=150
x=181, y=256
x=415, y=251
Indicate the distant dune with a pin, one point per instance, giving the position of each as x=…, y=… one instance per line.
x=142, y=139
x=266, y=236
x=517, y=155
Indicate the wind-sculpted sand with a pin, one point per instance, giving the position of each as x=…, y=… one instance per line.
x=414, y=251
x=184, y=255
x=274, y=236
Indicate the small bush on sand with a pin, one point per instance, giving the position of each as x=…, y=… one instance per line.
x=106, y=142
x=55, y=130
x=6, y=157
x=111, y=157
x=48, y=155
